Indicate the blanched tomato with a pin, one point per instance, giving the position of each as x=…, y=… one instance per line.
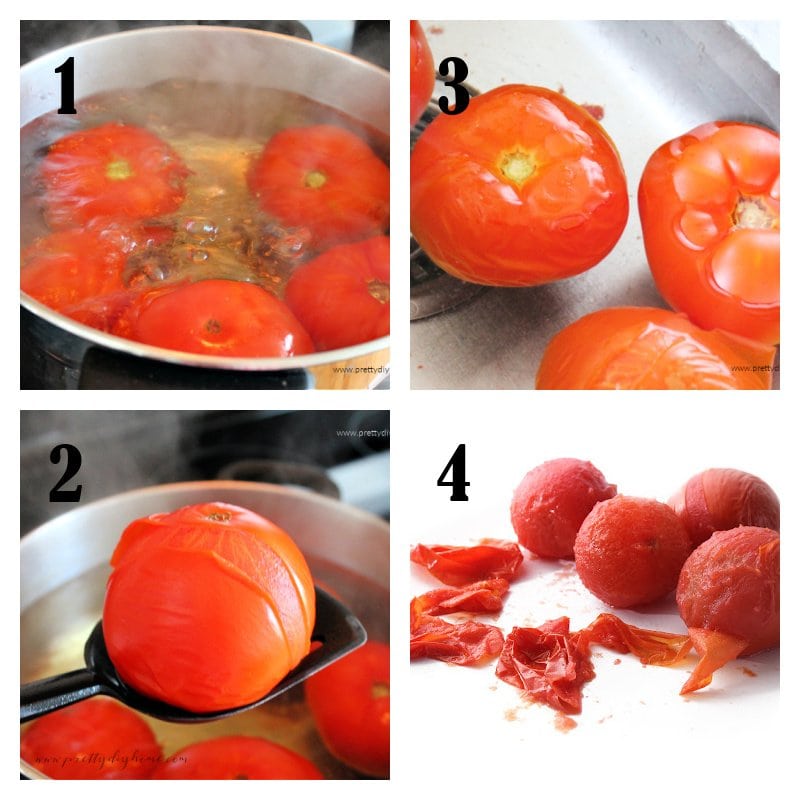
x=95, y=739
x=651, y=348
x=710, y=208
x=423, y=78
x=116, y=171
x=325, y=179
x=522, y=188
x=68, y=267
x=220, y=317
x=349, y=701
x=207, y=607
x=342, y=296
x=236, y=758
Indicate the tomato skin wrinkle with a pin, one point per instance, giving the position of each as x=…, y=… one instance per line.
x=466, y=644
x=482, y=597
x=651, y=348
x=522, y=188
x=709, y=203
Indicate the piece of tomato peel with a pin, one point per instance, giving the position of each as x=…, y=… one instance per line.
x=716, y=649
x=482, y=597
x=466, y=644
x=458, y=566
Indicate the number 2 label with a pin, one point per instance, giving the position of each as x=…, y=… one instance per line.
x=57, y=494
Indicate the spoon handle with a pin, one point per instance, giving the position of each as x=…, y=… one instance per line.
x=49, y=694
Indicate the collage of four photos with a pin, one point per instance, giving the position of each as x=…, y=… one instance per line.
x=208, y=585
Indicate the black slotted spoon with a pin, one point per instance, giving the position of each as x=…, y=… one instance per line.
x=336, y=631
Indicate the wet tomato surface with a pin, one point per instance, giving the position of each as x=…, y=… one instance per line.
x=651, y=348
x=522, y=188
x=709, y=202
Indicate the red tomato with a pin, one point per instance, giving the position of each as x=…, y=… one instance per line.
x=113, y=170
x=326, y=179
x=342, y=297
x=236, y=758
x=710, y=208
x=349, y=701
x=94, y=739
x=522, y=188
x=220, y=317
x=423, y=77
x=207, y=607
x=68, y=267
x=651, y=348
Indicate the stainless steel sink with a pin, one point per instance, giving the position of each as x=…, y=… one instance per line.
x=655, y=80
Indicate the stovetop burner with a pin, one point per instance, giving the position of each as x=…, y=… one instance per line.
x=433, y=291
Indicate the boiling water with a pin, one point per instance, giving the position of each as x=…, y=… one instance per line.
x=53, y=632
x=217, y=129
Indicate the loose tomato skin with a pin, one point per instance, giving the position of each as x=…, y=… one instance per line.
x=651, y=348
x=423, y=77
x=342, y=296
x=522, y=188
x=323, y=178
x=236, y=758
x=349, y=701
x=219, y=317
x=117, y=171
x=95, y=739
x=709, y=203
x=207, y=607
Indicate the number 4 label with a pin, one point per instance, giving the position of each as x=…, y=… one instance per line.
x=456, y=466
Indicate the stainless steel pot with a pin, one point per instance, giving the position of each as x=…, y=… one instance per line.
x=64, y=567
x=136, y=59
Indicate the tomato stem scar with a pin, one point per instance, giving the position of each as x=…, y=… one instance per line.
x=379, y=290
x=752, y=212
x=316, y=179
x=517, y=166
x=213, y=326
x=119, y=170
x=380, y=690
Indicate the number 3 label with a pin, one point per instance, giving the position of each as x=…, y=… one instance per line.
x=460, y=73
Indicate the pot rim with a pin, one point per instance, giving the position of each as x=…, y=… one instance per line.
x=139, y=349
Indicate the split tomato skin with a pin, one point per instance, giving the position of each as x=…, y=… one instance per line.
x=651, y=348
x=349, y=701
x=236, y=758
x=325, y=179
x=709, y=203
x=423, y=77
x=116, y=171
x=731, y=584
x=522, y=188
x=95, y=739
x=218, y=317
x=208, y=607
x=342, y=296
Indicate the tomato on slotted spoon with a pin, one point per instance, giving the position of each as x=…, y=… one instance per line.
x=349, y=701
x=208, y=607
x=651, y=348
x=219, y=317
x=94, y=739
x=522, y=188
x=115, y=171
x=236, y=758
x=342, y=296
x=709, y=202
x=325, y=179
